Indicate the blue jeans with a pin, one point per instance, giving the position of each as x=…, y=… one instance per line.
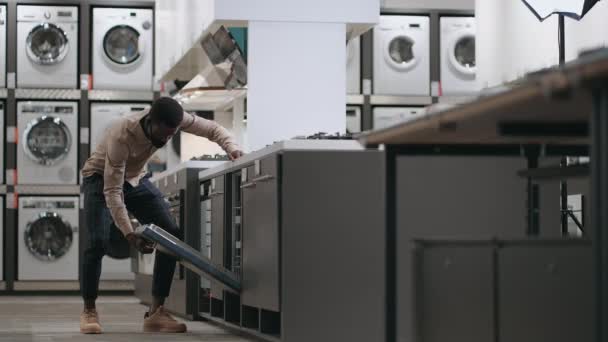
x=146, y=203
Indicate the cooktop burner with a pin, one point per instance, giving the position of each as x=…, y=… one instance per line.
x=325, y=136
x=212, y=157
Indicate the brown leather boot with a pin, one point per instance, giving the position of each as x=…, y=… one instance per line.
x=89, y=322
x=161, y=321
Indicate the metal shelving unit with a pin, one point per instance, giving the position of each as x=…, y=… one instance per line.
x=113, y=95
x=22, y=189
x=47, y=94
x=395, y=100
x=10, y=96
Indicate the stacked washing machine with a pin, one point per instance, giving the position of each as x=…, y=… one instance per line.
x=122, y=48
x=47, y=46
x=47, y=154
x=402, y=62
x=458, y=67
x=49, y=134
x=48, y=244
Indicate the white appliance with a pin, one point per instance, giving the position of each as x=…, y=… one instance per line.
x=123, y=48
x=1, y=238
x=48, y=238
x=47, y=151
x=353, y=66
x=353, y=119
x=458, y=67
x=3, y=46
x=47, y=46
x=2, y=143
x=401, y=56
x=388, y=116
x=104, y=114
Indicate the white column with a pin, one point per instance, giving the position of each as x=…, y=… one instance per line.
x=296, y=80
x=238, y=126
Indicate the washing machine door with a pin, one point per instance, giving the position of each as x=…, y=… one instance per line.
x=462, y=54
x=122, y=46
x=400, y=52
x=47, y=44
x=47, y=140
x=48, y=237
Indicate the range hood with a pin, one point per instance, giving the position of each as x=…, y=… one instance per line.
x=223, y=77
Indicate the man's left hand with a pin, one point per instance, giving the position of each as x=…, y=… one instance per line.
x=236, y=154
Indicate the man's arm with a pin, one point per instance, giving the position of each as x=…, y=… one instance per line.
x=210, y=130
x=113, y=180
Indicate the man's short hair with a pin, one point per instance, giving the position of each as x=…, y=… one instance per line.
x=167, y=111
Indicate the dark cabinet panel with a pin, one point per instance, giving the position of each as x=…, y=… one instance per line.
x=261, y=235
x=546, y=293
x=455, y=293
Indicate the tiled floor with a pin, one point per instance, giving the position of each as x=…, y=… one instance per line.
x=50, y=319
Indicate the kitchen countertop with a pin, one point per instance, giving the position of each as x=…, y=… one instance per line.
x=190, y=164
x=287, y=145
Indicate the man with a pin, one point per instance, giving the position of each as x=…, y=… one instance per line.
x=115, y=183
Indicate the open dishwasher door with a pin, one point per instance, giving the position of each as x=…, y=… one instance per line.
x=188, y=256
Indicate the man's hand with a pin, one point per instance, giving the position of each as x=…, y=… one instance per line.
x=142, y=245
x=236, y=154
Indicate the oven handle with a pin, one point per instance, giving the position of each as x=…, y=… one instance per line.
x=263, y=178
x=213, y=194
x=248, y=185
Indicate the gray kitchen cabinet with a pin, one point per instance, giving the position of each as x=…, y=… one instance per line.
x=312, y=252
x=455, y=292
x=545, y=292
x=261, y=235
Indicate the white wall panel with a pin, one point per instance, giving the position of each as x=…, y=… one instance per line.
x=590, y=32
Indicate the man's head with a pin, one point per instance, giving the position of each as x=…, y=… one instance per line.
x=165, y=118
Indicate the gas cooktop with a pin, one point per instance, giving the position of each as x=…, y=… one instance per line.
x=326, y=136
x=211, y=157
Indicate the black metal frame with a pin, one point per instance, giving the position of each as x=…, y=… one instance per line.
x=599, y=205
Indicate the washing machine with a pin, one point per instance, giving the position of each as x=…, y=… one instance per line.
x=388, y=116
x=123, y=48
x=47, y=46
x=104, y=114
x=353, y=119
x=353, y=66
x=1, y=238
x=3, y=46
x=2, y=130
x=401, y=56
x=48, y=238
x=458, y=65
x=47, y=150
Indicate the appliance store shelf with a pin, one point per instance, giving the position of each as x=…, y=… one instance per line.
x=117, y=285
x=52, y=94
x=68, y=285
x=47, y=189
x=354, y=99
x=457, y=99
x=113, y=95
x=396, y=100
